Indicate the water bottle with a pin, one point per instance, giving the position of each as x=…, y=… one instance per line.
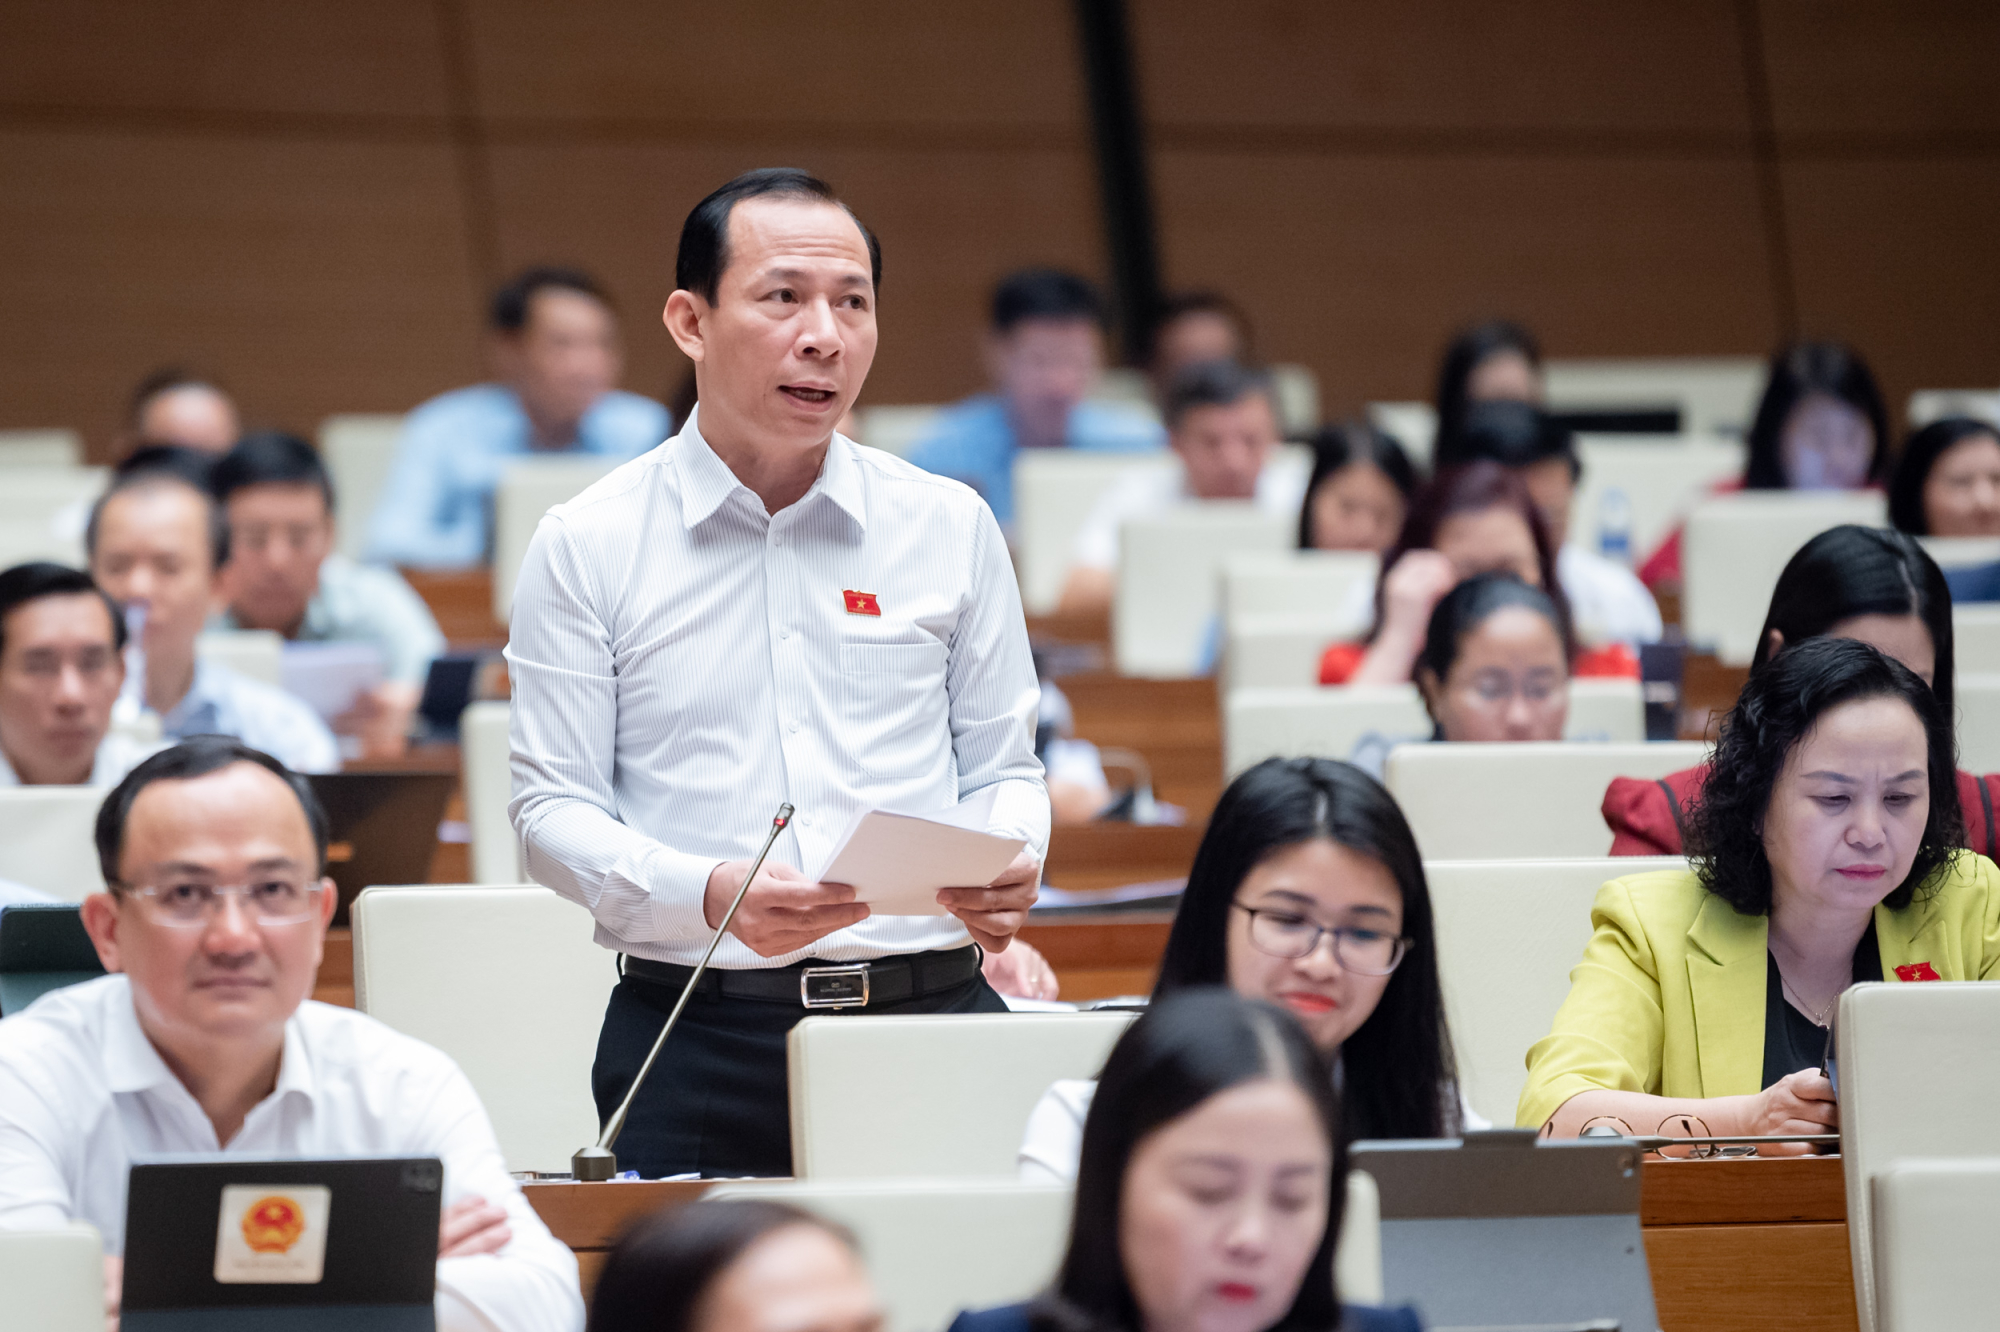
x=1614, y=525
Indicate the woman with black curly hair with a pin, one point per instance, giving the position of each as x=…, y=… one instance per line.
x=1825, y=852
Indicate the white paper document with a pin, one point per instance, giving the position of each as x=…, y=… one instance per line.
x=897, y=862
x=329, y=677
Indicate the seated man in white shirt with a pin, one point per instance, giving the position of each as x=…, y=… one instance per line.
x=1222, y=421
x=203, y=1040
x=158, y=539
x=61, y=667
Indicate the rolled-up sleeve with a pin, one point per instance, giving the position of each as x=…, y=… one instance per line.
x=1610, y=1030
x=564, y=737
x=994, y=696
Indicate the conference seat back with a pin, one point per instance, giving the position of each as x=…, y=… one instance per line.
x=1734, y=548
x=1328, y=722
x=256, y=653
x=1508, y=934
x=1715, y=395
x=1169, y=580
x=49, y=833
x=896, y=1097
x=359, y=450
x=1519, y=801
x=41, y=448
x=52, y=1280
x=1280, y=610
x=488, y=778
x=1977, y=696
x=43, y=510
x=1662, y=479
x=1917, y=1083
x=1054, y=492
x=511, y=985
x=1975, y=639
x=528, y=489
x=1937, y=1225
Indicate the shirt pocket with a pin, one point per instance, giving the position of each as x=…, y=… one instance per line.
x=894, y=714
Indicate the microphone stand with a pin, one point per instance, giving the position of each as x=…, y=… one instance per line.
x=598, y=1162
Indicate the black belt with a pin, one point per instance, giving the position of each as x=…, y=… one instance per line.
x=884, y=980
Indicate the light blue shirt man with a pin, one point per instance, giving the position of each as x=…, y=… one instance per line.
x=368, y=604
x=974, y=442
x=436, y=511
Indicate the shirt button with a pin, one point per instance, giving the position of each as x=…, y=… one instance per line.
x=784, y=633
x=795, y=728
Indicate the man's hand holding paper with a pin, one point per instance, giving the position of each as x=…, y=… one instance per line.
x=784, y=910
x=993, y=914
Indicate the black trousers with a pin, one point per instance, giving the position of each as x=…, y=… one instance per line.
x=715, y=1102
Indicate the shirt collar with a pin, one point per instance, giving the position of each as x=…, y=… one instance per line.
x=707, y=483
x=132, y=1064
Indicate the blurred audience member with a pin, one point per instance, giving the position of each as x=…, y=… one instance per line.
x=179, y=408
x=61, y=667
x=1044, y=354
x=157, y=541
x=1359, y=491
x=1947, y=484
x=1496, y=361
x=1222, y=421
x=1819, y=426
x=284, y=575
x=556, y=350
x=1606, y=600
x=1072, y=769
x=1191, y=328
x=735, y=1266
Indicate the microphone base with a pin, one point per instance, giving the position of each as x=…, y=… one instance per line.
x=594, y=1164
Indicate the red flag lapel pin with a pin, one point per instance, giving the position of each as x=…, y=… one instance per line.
x=1917, y=971
x=861, y=603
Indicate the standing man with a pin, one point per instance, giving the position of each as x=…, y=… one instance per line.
x=763, y=612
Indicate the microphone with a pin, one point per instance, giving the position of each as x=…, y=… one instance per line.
x=598, y=1162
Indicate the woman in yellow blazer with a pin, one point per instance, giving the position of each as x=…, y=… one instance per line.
x=1823, y=850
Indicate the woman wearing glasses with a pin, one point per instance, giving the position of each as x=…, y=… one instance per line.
x=1308, y=893
x=1825, y=850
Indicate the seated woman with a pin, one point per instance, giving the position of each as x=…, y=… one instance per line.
x=727, y=1266
x=1307, y=892
x=1359, y=490
x=1496, y=361
x=1209, y=1199
x=1495, y=667
x=1819, y=426
x=1863, y=583
x=1947, y=484
x=1825, y=844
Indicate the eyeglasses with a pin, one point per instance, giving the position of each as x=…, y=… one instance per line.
x=1290, y=935
x=1499, y=687
x=270, y=902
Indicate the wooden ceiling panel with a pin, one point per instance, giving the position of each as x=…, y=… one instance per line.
x=1862, y=70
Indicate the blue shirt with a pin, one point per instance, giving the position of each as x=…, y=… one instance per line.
x=222, y=702
x=974, y=442
x=436, y=511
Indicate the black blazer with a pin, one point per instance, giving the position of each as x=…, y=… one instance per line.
x=1353, y=1318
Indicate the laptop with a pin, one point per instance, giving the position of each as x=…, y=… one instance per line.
x=1500, y=1230
x=43, y=947
x=384, y=827
x=234, y=1244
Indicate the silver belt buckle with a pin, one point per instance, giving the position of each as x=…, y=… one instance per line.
x=834, y=987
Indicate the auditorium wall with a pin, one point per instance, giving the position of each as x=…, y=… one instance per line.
x=311, y=198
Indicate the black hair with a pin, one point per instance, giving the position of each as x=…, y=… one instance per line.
x=165, y=465
x=1464, y=354
x=704, y=252
x=1913, y=469
x=165, y=380
x=271, y=458
x=1848, y=571
x=663, y=1266
x=1796, y=373
x=1513, y=434
x=197, y=756
x=1044, y=293
x=1183, y=1050
x=1214, y=384
x=1466, y=607
x=1777, y=709
x=40, y=578
x=1342, y=445
x=511, y=304
x=1400, y=1076
x=1182, y=304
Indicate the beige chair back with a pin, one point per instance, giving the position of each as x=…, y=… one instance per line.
x=1978, y=699
x=359, y=450
x=1734, y=548
x=1937, y=1226
x=1170, y=575
x=1975, y=636
x=53, y=1279
x=256, y=653
x=1054, y=492
x=1662, y=477
x=1715, y=395
x=488, y=779
x=511, y=985
x=894, y=428
x=528, y=489
x=41, y=448
x=50, y=836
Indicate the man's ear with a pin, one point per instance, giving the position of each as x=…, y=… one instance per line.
x=329, y=902
x=1775, y=641
x=683, y=317
x=100, y=922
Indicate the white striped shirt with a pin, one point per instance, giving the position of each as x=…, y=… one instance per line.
x=682, y=663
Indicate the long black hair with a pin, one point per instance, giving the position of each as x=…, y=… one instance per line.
x=1848, y=571
x=1913, y=469
x=657, y=1277
x=1776, y=711
x=1466, y=607
x=1463, y=356
x=1341, y=445
x=1186, y=1048
x=1399, y=1075
x=1796, y=373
